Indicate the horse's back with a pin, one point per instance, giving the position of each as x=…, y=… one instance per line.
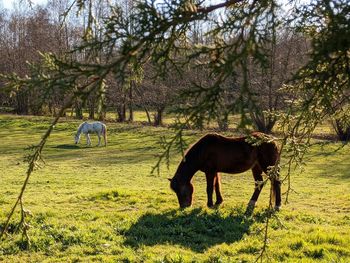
x=96, y=126
x=88, y=127
x=233, y=154
x=225, y=154
x=226, y=145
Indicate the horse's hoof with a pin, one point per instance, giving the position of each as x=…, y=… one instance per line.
x=277, y=208
x=250, y=208
x=249, y=211
x=218, y=203
x=215, y=206
x=251, y=203
x=219, y=200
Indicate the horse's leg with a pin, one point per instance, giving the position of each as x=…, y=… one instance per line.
x=270, y=158
x=210, y=187
x=88, y=141
x=105, y=137
x=257, y=173
x=99, y=139
x=276, y=183
x=217, y=185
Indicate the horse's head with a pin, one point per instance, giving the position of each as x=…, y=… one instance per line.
x=76, y=138
x=183, y=190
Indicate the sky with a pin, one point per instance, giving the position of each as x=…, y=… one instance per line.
x=8, y=4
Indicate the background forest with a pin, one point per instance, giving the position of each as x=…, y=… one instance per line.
x=29, y=31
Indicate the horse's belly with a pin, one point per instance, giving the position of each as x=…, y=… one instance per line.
x=236, y=169
x=229, y=161
x=231, y=167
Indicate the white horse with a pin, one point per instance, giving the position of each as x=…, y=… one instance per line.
x=95, y=127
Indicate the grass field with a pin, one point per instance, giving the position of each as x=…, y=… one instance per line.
x=101, y=204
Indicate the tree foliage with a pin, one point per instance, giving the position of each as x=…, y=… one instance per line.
x=238, y=34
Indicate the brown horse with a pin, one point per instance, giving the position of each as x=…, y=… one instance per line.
x=214, y=153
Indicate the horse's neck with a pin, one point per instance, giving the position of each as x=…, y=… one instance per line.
x=191, y=161
x=81, y=128
x=186, y=170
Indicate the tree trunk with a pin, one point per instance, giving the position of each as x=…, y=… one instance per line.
x=223, y=121
x=342, y=130
x=78, y=110
x=263, y=123
x=101, y=104
x=92, y=108
x=121, y=113
x=158, y=117
x=22, y=107
x=148, y=115
x=131, y=110
x=102, y=114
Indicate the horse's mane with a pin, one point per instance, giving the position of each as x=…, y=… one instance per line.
x=195, y=150
x=81, y=126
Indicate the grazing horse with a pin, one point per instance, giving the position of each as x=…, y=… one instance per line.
x=95, y=127
x=214, y=153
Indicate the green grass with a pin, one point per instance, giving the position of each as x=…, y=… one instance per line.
x=101, y=204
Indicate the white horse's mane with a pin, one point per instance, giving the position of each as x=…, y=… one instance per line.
x=81, y=126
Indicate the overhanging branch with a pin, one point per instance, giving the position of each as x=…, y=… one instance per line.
x=208, y=9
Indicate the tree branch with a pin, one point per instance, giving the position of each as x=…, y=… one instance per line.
x=208, y=9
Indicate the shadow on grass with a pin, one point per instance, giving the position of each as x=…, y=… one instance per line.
x=67, y=146
x=197, y=230
x=337, y=169
x=334, y=160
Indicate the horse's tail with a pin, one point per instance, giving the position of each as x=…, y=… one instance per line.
x=104, y=133
x=268, y=155
x=276, y=191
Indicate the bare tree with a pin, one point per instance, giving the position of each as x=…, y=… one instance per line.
x=287, y=54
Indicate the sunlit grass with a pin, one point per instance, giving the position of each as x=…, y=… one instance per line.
x=102, y=204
